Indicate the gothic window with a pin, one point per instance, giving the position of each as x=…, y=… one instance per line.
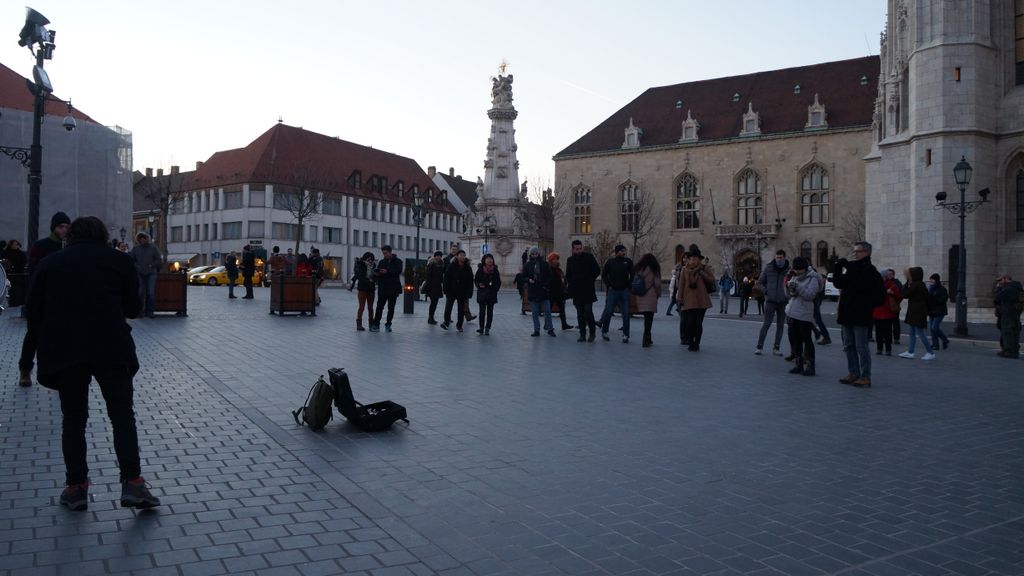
x=687, y=202
x=749, y=198
x=805, y=250
x=814, y=196
x=581, y=200
x=1020, y=200
x=822, y=261
x=629, y=206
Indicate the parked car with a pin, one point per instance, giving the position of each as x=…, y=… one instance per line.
x=195, y=270
x=219, y=275
x=831, y=292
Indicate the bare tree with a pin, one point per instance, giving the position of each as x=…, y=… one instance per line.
x=851, y=228
x=302, y=200
x=641, y=219
x=602, y=244
x=164, y=192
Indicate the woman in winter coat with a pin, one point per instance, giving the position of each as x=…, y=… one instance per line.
x=365, y=288
x=802, y=288
x=488, y=282
x=887, y=314
x=433, y=283
x=649, y=271
x=916, y=295
x=303, y=269
x=556, y=289
x=937, y=310
x=695, y=284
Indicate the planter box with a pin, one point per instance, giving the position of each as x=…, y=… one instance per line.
x=172, y=293
x=291, y=294
x=556, y=309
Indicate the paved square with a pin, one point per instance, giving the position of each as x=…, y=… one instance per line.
x=535, y=456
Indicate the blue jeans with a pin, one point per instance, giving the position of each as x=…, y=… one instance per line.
x=935, y=327
x=147, y=285
x=535, y=308
x=772, y=311
x=613, y=297
x=855, y=344
x=921, y=333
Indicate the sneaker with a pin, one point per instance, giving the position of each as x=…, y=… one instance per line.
x=374, y=327
x=444, y=325
x=387, y=327
x=758, y=351
x=479, y=330
x=928, y=356
x=431, y=321
x=75, y=497
x=906, y=355
x=487, y=331
x=551, y=332
x=625, y=339
x=776, y=352
x=135, y=494
x=458, y=328
x=604, y=336
x=945, y=344
x=535, y=334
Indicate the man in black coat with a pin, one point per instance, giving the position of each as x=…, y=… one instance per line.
x=1007, y=298
x=231, y=267
x=248, y=268
x=861, y=290
x=458, y=288
x=618, y=277
x=581, y=271
x=389, y=286
x=78, y=304
x=42, y=248
x=537, y=276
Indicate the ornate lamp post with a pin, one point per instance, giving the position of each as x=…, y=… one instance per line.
x=418, y=213
x=486, y=228
x=962, y=175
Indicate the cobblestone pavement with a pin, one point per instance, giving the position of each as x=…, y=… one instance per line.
x=524, y=456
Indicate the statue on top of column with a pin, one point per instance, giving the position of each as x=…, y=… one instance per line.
x=501, y=91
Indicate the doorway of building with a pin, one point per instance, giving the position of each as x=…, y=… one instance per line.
x=746, y=263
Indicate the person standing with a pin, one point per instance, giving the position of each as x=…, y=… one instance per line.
x=248, y=268
x=896, y=329
x=79, y=300
x=557, y=288
x=289, y=263
x=744, y=294
x=649, y=271
x=886, y=314
x=433, y=286
x=231, y=266
x=14, y=260
x=389, y=286
x=937, y=310
x=673, y=285
x=362, y=277
x=824, y=339
x=458, y=287
x=772, y=283
x=916, y=294
x=147, y=262
x=618, y=277
x=488, y=282
x=453, y=252
x=277, y=262
x=861, y=290
x=537, y=275
x=725, y=285
x=581, y=271
x=316, y=262
x=1007, y=298
x=39, y=250
x=694, y=296
x=802, y=288
x=303, y=269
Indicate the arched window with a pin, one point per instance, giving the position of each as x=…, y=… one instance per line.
x=629, y=206
x=749, y=199
x=822, y=262
x=805, y=250
x=581, y=200
x=687, y=202
x=814, y=196
x=1020, y=200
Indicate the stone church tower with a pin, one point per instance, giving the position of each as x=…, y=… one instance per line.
x=950, y=87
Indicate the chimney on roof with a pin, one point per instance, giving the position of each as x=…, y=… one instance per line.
x=159, y=172
x=431, y=171
x=149, y=172
x=175, y=169
x=199, y=164
x=451, y=171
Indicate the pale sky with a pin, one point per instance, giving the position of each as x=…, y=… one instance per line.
x=189, y=78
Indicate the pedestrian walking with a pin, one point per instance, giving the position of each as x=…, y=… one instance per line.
x=802, y=288
x=40, y=249
x=581, y=271
x=453, y=251
x=248, y=268
x=617, y=275
x=886, y=314
x=648, y=270
x=695, y=285
x=861, y=290
x=488, y=282
x=772, y=283
x=148, y=262
x=937, y=310
x=231, y=267
x=1007, y=296
x=557, y=288
x=389, y=286
x=725, y=286
x=916, y=295
x=433, y=284
x=538, y=281
x=458, y=288
x=79, y=300
x=366, y=287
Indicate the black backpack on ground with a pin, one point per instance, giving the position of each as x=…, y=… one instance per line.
x=319, y=409
x=367, y=417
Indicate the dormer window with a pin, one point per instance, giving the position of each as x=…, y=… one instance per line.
x=736, y=97
x=398, y=188
x=816, y=116
x=796, y=89
x=751, y=122
x=863, y=80
x=690, y=129
x=632, y=136
x=356, y=179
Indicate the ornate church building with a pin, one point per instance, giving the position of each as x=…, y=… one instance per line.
x=950, y=89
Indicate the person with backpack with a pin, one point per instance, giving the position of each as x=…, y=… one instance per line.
x=488, y=282
x=1008, y=296
x=695, y=285
x=937, y=310
x=366, y=287
x=648, y=273
x=618, y=278
x=231, y=266
x=916, y=295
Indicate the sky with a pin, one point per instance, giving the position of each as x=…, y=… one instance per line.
x=411, y=77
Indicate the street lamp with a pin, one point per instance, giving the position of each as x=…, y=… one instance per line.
x=418, y=212
x=962, y=175
x=486, y=227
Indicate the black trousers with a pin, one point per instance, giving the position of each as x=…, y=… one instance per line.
x=28, y=350
x=116, y=385
x=448, y=304
x=486, y=315
x=383, y=299
x=883, y=334
x=802, y=333
x=648, y=323
x=247, y=282
x=433, y=306
x=585, y=317
x=744, y=302
x=693, y=320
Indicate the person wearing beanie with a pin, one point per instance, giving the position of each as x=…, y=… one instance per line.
x=937, y=310
x=40, y=249
x=617, y=275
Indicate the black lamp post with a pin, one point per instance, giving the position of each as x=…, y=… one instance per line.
x=486, y=228
x=962, y=175
x=412, y=284
x=418, y=212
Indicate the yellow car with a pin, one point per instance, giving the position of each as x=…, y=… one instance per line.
x=219, y=275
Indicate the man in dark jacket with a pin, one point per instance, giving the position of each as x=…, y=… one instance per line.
x=773, y=285
x=1007, y=298
x=861, y=290
x=79, y=301
x=248, y=268
x=537, y=276
x=42, y=248
x=389, y=286
x=453, y=252
x=618, y=277
x=231, y=267
x=434, y=284
x=147, y=263
x=458, y=287
x=581, y=270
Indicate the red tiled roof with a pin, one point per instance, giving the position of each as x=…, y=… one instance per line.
x=14, y=94
x=847, y=102
x=286, y=155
